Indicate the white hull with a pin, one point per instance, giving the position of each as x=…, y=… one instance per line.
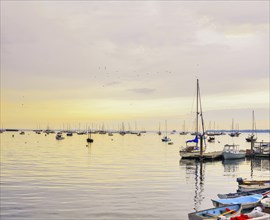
x=229, y=155
x=196, y=154
x=192, y=154
x=246, y=188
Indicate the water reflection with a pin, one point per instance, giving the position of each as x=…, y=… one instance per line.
x=232, y=166
x=259, y=164
x=196, y=168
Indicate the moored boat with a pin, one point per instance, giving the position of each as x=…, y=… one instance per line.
x=242, y=181
x=247, y=202
x=232, y=152
x=247, y=185
x=237, y=194
x=227, y=211
x=59, y=136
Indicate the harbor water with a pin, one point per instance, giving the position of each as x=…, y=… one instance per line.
x=116, y=177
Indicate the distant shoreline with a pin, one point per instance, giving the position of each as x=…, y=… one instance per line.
x=225, y=131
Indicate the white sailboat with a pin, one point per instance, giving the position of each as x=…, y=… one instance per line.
x=193, y=150
x=198, y=147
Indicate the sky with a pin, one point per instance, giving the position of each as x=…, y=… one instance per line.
x=75, y=63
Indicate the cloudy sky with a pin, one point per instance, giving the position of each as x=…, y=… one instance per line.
x=70, y=62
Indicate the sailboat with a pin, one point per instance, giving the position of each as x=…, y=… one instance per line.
x=184, y=130
x=89, y=139
x=195, y=150
x=159, y=132
x=252, y=136
x=166, y=138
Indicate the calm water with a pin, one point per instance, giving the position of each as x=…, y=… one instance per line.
x=119, y=177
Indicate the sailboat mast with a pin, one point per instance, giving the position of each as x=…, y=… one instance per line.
x=253, y=123
x=197, y=111
x=166, y=127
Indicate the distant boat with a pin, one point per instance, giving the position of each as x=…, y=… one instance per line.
x=232, y=152
x=89, y=139
x=234, y=133
x=226, y=211
x=22, y=133
x=184, y=132
x=59, y=136
x=69, y=133
x=159, y=132
x=252, y=136
x=247, y=202
x=166, y=138
x=211, y=139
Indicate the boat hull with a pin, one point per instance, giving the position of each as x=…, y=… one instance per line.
x=231, y=156
x=234, y=195
x=247, y=202
x=228, y=211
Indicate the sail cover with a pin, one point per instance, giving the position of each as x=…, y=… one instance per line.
x=195, y=140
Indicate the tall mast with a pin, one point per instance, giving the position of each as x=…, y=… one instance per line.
x=253, y=123
x=197, y=111
x=166, y=127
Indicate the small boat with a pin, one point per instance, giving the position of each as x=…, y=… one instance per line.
x=211, y=139
x=247, y=202
x=247, y=188
x=252, y=137
x=256, y=214
x=166, y=139
x=89, y=139
x=59, y=136
x=22, y=133
x=237, y=194
x=247, y=185
x=232, y=152
x=69, y=133
x=242, y=181
x=227, y=211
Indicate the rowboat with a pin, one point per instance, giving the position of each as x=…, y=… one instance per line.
x=215, y=213
x=247, y=185
x=242, y=181
x=247, y=202
x=247, y=188
x=243, y=193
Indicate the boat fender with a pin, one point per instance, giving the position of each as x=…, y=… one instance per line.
x=239, y=180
